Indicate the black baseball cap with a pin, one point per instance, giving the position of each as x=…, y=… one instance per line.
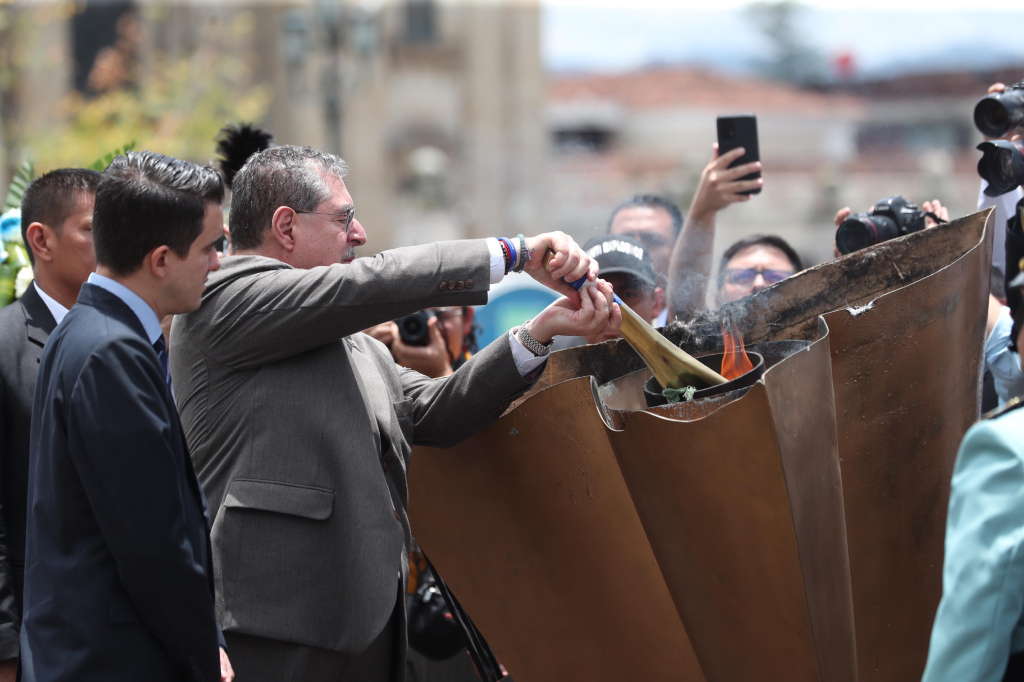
x=621, y=254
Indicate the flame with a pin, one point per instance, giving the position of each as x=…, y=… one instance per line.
x=735, y=362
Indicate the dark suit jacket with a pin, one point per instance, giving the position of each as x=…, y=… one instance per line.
x=24, y=328
x=118, y=577
x=302, y=430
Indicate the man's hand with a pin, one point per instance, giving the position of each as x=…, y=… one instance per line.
x=720, y=185
x=569, y=262
x=227, y=674
x=385, y=332
x=936, y=207
x=431, y=360
x=596, y=312
x=9, y=670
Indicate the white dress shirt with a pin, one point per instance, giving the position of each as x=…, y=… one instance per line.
x=526, y=361
x=147, y=316
x=56, y=309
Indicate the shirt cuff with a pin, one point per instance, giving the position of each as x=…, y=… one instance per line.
x=999, y=339
x=526, y=361
x=497, y=262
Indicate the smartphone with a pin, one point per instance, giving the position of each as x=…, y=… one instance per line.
x=740, y=131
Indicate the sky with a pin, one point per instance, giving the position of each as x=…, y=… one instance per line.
x=883, y=37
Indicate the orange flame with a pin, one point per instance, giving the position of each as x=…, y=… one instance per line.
x=735, y=362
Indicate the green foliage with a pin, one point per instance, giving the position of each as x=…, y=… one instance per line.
x=26, y=173
x=172, y=104
x=102, y=163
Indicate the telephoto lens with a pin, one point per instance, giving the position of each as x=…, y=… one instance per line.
x=891, y=217
x=1001, y=165
x=1000, y=112
x=862, y=230
x=414, y=329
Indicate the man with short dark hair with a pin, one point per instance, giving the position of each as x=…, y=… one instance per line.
x=56, y=226
x=656, y=223
x=119, y=578
x=626, y=264
x=754, y=263
x=302, y=427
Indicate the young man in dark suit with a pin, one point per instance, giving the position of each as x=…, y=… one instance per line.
x=56, y=225
x=119, y=582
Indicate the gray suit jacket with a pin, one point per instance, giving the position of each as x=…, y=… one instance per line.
x=301, y=430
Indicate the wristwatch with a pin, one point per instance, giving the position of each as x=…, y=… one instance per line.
x=533, y=345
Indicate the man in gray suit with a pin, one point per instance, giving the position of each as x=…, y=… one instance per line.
x=301, y=428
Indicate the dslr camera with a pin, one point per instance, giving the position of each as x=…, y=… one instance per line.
x=1000, y=112
x=890, y=218
x=1001, y=165
x=413, y=329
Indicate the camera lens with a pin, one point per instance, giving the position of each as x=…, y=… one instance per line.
x=991, y=118
x=862, y=230
x=1002, y=165
x=414, y=329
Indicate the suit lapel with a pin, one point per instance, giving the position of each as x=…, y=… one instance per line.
x=39, y=321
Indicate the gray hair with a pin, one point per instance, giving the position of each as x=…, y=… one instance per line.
x=280, y=176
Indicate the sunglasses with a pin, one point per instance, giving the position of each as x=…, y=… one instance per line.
x=745, y=277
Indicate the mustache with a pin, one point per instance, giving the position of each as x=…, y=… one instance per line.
x=350, y=253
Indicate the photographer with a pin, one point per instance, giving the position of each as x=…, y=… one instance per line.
x=1005, y=204
x=450, y=341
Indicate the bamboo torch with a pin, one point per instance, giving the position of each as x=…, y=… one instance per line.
x=673, y=367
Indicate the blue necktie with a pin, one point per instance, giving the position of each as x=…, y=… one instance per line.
x=161, y=352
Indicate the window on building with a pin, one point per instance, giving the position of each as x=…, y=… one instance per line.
x=953, y=136
x=591, y=139
x=420, y=21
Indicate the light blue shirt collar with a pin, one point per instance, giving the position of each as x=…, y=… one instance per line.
x=147, y=316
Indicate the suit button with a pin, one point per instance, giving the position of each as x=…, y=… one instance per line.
x=395, y=512
x=451, y=284
x=384, y=466
x=460, y=285
x=469, y=284
x=444, y=285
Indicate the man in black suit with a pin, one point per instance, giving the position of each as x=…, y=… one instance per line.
x=118, y=580
x=56, y=225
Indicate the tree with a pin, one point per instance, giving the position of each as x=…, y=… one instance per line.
x=792, y=59
x=172, y=105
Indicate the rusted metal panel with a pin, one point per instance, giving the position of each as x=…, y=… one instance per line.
x=743, y=511
x=532, y=526
x=906, y=377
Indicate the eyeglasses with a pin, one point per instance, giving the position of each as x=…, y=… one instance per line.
x=348, y=216
x=746, y=276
